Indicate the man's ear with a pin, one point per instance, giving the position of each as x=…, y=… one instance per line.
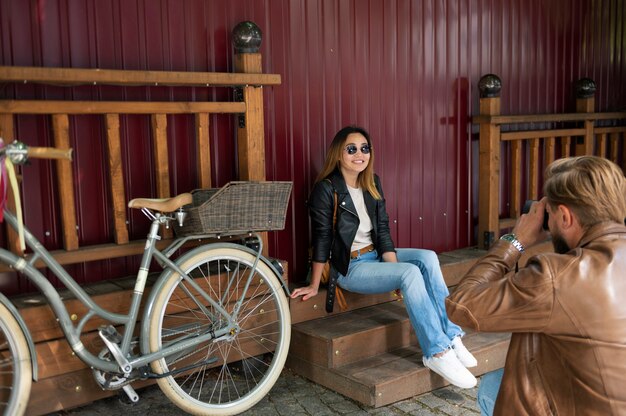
x=566, y=217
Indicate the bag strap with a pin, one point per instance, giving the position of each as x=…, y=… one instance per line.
x=334, y=291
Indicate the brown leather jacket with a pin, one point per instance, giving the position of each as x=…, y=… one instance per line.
x=567, y=313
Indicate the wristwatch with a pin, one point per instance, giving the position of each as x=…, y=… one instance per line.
x=512, y=238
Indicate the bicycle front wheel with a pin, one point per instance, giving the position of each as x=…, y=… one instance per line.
x=227, y=376
x=15, y=367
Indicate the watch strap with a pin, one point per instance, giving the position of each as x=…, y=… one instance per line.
x=512, y=238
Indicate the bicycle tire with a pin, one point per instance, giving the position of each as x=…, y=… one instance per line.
x=16, y=375
x=249, y=363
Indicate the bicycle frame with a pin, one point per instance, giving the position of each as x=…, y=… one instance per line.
x=72, y=332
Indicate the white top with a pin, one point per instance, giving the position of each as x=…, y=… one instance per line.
x=363, y=235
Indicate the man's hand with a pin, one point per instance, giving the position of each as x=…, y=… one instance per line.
x=529, y=227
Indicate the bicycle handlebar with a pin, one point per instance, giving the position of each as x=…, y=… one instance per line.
x=49, y=153
x=19, y=152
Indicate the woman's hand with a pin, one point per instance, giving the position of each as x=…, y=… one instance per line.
x=306, y=292
x=309, y=291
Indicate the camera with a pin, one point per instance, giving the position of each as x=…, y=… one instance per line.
x=526, y=209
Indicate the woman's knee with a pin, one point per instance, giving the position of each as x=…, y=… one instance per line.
x=420, y=256
x=412, y=276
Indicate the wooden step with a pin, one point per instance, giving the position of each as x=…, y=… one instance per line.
x=338, y=341
x=399, y=373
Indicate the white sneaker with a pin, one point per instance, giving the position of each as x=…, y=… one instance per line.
x=450, y=368
x=465, y=357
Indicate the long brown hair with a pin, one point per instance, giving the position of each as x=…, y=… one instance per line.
x=365, y=179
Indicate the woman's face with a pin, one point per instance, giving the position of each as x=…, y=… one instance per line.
x=357, y=162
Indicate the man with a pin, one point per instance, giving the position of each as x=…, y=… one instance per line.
x=566, y=310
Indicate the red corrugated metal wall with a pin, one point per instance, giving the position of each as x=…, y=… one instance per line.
x=406, y=70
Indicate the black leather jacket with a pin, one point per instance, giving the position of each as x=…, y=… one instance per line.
x=338, y=247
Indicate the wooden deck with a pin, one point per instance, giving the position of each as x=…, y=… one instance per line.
x=368, y=353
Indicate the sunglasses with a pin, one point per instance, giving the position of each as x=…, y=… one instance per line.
x=351, y=149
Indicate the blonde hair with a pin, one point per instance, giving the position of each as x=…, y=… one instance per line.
x=594, y=188
x=365, y=179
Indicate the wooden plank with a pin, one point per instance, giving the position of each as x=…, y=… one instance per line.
x=204, y=150
x=250, y=138
x=586, y=106
x=516, y=178
x=608, y=130
x=506, y=223
x=614, y=140
x=546, y=118
x=78, y=76
x=533, y=172
x=540, y=134
x=602, y=145
x=566, y=146
x=116, y=179
x=586, y=147
x=65, y=183
x=102, y=251
x=161, y=161
x=315, y=307
x=6, y=133
x=43, y=325
x=117, y=107
x=549, y=150
x=488, y=175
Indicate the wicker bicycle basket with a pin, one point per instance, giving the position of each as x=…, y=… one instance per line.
x=237, y=208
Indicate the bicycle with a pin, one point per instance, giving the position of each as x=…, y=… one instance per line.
x=215, y=328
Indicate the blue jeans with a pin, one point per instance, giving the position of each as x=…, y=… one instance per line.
x=418, y=275
x=488, y=391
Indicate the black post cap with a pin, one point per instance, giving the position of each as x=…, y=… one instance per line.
x=489, y=86
x=247, y=37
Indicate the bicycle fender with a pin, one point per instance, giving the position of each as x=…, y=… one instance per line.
x=29, y=339
x=145, y=349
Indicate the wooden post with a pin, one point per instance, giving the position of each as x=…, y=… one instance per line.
x=161, y=159
x=204, y=150
x=489, y=162
x=116, y=178
x=65, y=181
x=585, y=103
x=251, y=131
x=250, y=134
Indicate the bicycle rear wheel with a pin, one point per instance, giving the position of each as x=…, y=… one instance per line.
x=231, y=375
x=15, y=367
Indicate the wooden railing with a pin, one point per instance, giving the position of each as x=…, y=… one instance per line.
x=513, y=151
x=250, y=135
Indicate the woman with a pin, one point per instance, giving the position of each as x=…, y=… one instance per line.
x=363, y=258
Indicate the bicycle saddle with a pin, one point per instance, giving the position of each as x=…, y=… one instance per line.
x=162, y=204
